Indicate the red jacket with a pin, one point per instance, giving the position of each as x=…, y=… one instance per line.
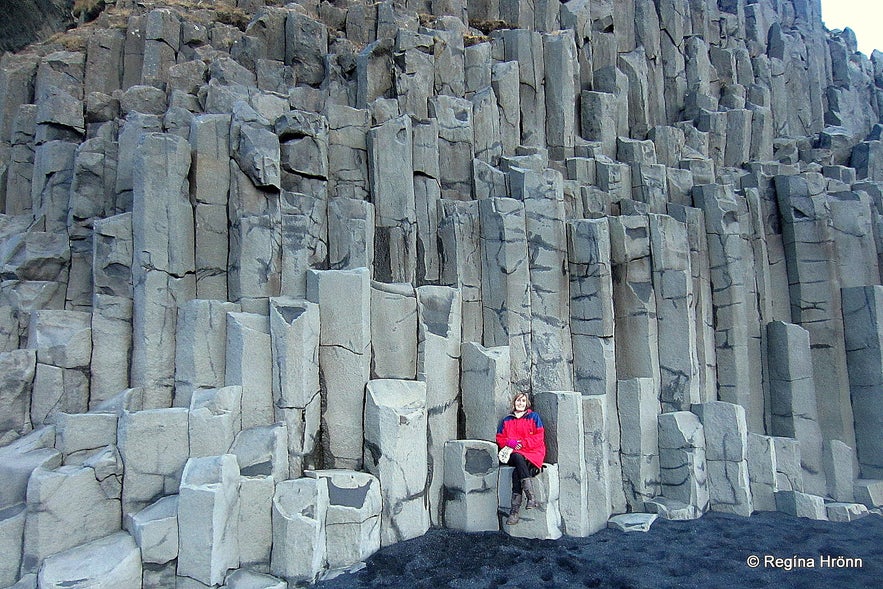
x=528, y=430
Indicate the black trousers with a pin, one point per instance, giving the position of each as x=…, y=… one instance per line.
x=523, y=470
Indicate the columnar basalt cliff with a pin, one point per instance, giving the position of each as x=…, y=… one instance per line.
x=272, y=273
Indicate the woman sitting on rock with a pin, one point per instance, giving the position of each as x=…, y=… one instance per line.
x=522, y=431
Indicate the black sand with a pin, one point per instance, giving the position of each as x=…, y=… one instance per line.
x=709, y=552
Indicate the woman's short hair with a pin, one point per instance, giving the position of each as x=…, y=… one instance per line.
x=518, y=396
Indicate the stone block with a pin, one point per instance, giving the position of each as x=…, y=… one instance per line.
x=789, y=473
x=484, y=386
x=19, y=459
x=470, y=483
x=394, y=330
x=66, y=508
x=344, y=358
x=864, y=341
x=869, y=492
x=208, y=519
x=632, y=522
x=246, y=579
x=603, y=469
x=352, y=521
x=438, y=365
x=200, y=347
x=306, y=44
x=255, y=522
x=84, y=431
x=249, y=365
x=12, y=526
x=801, y=505
x=726, y=434
x=397, y=455
x=762, y=471
x=351, y=227
x=155, y=530
x=111, y=347
x=839, y=462
x=729, y=488
x=111, y=561
x=542, y=523
x=215, y=417
x=262, y=451
x=154, y=445
x=61, y=338
x=299, y=510
x=845, y=512
x=57, y=389
x=18, y=369
x=505, y=283
x=564, y=428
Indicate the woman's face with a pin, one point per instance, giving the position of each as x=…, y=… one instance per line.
x=520, y=403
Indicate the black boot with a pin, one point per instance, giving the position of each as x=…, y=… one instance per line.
x=527, y=487
x=514, y=509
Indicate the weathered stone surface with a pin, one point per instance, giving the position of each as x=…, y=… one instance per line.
x=845, y=512
x=682, y=461
x=505, y=283
x=639, y=448
x=18, y=368
x=543, y=523
x=484, y=386
x=470, y=483
x=352, y=521
x=299, y=510
x=861, y=306
x=634, y=298
x=675, y=313
x=801, y=505
x=208, y=518
x=397, y=455
x=255, y=521
x=394, y=330
x=726, y=450
x=438, y=365
x=562, y=413
x=869, y=492
x=111, y=561
x=200, y=347
x=12, y=525
x=249, y=365
x=792, y=398
x=344, y=298
x=632, y=522
x=155, y=530
x=21, y=458
x=66, y=508
x=154, y=445
x=806, y=238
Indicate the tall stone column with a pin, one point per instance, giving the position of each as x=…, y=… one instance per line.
x=294, y=336
x=438, y=365
x=551, y=351
x=344, y=298
x=505, y=283
x=675, y=313
x=814, y=287
x=729, y=274
x=163, y=258
x=862, y=312
x=395, y=452
x=637, y=349
x=793, y=398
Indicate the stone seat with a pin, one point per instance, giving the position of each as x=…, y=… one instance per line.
x=541, y=523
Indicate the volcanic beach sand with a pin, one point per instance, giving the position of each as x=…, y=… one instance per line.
x=710, y=552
